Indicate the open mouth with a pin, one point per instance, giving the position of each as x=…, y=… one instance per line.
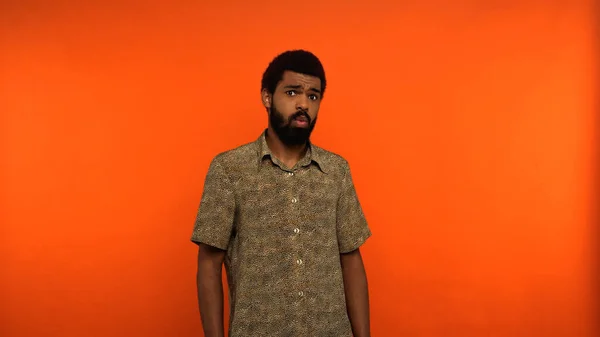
x=300, y=121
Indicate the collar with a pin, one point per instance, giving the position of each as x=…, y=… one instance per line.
x=313, y=154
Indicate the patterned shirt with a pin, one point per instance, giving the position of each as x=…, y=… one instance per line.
x=283, y=230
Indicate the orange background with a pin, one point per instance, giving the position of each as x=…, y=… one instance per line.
x=469, y=128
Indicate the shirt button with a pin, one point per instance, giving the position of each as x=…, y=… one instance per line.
x=294, y=200
x=296, y=230
x=299, y=261
x=300, y=293
x=290, y=173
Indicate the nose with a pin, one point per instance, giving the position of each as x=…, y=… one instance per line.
x=302, y=102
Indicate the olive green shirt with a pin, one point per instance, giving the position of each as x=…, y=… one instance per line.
x=283, y=229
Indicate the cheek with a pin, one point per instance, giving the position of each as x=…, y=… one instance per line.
x=314, y=109
x=285, y=109
x=285, y=105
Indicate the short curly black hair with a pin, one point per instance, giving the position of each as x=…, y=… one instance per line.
x=299, y=61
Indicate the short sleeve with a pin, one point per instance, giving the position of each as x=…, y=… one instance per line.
x=215, y=216
x=352, y=227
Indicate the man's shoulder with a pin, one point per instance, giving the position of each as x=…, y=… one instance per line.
x=332, y=161
x=239, y=155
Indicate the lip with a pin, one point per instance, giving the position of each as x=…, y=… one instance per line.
x=301, y=121
x=301, y=118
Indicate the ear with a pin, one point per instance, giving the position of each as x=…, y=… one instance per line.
x=267, y=98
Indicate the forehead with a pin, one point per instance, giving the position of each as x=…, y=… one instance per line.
x=306, y=81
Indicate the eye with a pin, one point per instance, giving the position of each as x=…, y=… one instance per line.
x=313, y=97
x=291, y=92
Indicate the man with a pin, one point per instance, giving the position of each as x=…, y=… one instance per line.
x=283, y=216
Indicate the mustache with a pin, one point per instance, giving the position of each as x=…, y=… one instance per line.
x=300, y=113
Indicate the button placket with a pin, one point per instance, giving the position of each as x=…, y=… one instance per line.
x=300, y=292
x=296, y=230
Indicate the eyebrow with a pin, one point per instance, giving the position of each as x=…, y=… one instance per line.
x=297, y=86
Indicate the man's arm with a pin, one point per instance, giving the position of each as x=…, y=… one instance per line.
x=357, y=293
x=212, y=232
x=352, y=232
x=210, y=290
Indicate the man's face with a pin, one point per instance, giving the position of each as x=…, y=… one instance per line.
x=294, y=106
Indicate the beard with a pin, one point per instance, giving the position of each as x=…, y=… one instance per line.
x=287, y=133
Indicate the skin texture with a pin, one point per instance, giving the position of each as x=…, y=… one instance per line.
x=357, y=293
x=210, y=290
x=295, y=95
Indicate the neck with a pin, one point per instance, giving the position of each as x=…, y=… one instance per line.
x=287, y=154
